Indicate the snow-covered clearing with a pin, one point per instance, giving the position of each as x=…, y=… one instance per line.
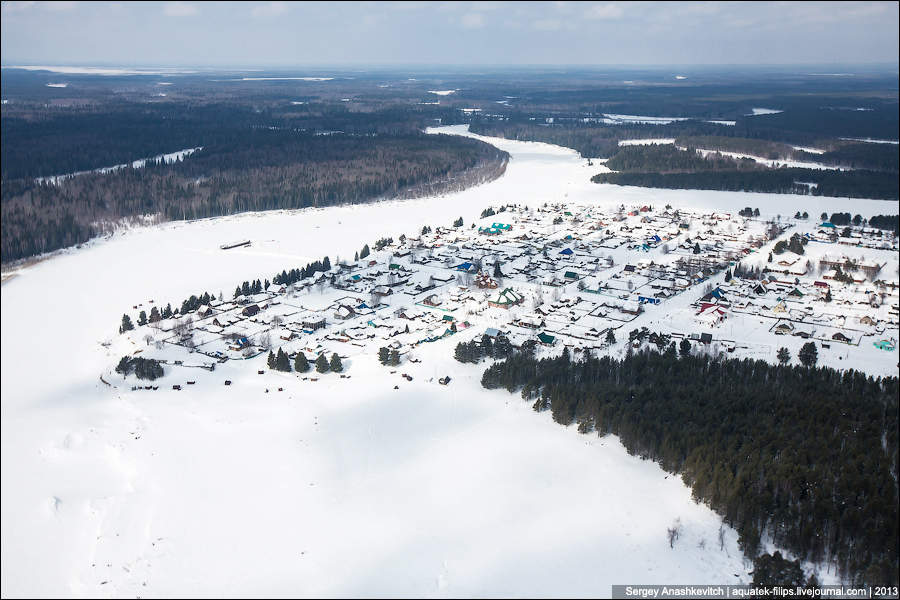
x=647, y=142
x=57, y=85
x=137, y=164
x=871, y=140
x=611, y=119
x=442, y=92
x=764, y=111
x=340, y=487
x=776, y=163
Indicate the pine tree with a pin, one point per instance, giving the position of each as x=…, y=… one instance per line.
x=784, y=355
x=395, y=358
x=154, y=315
x=167, y=312
x=808, y=354
x=384, y=355
x=685, y=347
x=356, y=256
x=282, y=363
x=336, y=365
x=271, y=360
x=142, y=318
x=322, y=364
x=301, y=363
x=127, y=325
x=365, y=251
x=610, y=337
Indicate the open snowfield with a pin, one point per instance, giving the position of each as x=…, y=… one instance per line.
x=331, y=488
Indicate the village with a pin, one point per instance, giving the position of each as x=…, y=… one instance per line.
x=562, y=276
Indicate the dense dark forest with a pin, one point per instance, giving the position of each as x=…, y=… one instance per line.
x=847, y=184
x=261, y=170
x=804, y=456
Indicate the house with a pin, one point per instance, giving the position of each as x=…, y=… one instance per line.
x=840, y=337
x=432, y=300
x=546, y=339
x=508, y=297
x=784, y=328
x=887, y=345
x=344, y=312
x=485, y=281
x=313, y=323
x=250, y=311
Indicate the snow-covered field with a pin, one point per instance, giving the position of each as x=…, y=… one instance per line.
x=334, y=488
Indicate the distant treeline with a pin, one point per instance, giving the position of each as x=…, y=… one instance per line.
x=260, y=170
x=664, y=158
x=848, y=184
x=665, y=166
x=807, y=457
x=46, y=142
x=875, y=157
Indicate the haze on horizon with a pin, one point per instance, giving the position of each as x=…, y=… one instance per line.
x=284, y=34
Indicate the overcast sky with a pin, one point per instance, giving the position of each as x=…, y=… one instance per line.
x=605, y=33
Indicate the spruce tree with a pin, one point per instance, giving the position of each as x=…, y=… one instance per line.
x=384, y=355
x=365, y=251
x=784, y=355
x=127, y=325
x=271, y=360
x=685, y=347
x=301, y=363
x=610, y=337
x=322, y=364
x=282, y=363
x=395, y=358
x=154, y=315
x=335, y=364
x=808, y=354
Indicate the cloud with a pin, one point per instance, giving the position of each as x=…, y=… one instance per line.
x=472, y=20
x=179, y=9
x=270, y=9
x=604, y=11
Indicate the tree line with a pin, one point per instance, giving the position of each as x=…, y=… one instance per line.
x=806, y=457
x=258, y=170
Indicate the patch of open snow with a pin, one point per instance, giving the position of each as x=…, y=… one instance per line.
x=57, y=85
x=728, y=123
x=647, y=142
x=680, y=77
x=764, y=111
x=612, y=119
x=776, y=162
x=137, y=164
x=870, y=140
x=808, y=149
x=442, y=92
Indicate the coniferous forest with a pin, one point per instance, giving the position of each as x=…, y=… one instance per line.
x=260, y=170
x=804, y=457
